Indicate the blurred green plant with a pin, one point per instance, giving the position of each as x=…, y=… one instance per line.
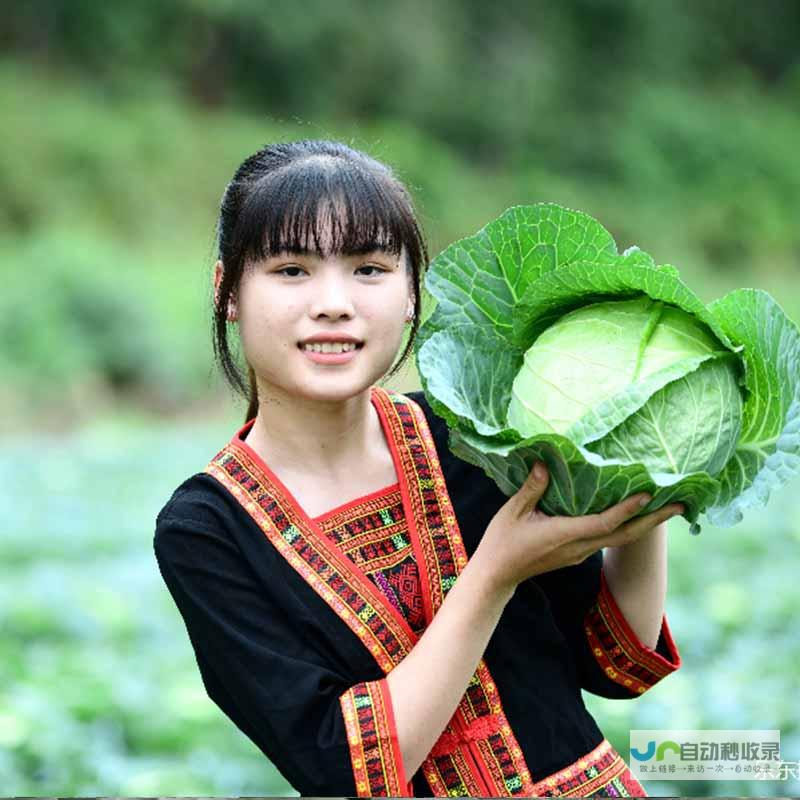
x=78, y=322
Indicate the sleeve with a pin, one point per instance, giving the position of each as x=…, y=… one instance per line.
x=611, y=659
x=324, y=734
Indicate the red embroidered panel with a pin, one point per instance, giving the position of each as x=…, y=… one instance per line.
x=372, y=739
x=620, y=652
x=600, y=773
x=373, y=533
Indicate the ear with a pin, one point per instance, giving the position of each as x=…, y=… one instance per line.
x=410, y=310
x=411, y=299
x=219, y=271
x=409, y=274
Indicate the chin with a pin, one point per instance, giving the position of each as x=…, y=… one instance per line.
x=333, y=390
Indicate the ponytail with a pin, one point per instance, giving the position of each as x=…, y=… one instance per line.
x=252, y=397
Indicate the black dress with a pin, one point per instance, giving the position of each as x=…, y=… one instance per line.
x=295, y=623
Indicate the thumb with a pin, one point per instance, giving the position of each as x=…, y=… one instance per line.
x=534, y=487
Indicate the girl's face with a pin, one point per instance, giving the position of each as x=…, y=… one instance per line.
x=289, y=298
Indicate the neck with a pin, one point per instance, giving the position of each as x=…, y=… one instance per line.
x=319, y=438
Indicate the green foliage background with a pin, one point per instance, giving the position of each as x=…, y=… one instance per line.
x=674, y=125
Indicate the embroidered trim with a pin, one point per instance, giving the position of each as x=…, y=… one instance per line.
x=600, y=773
x=345, y=509
x=351, y=595
x=479, y=729
x=443, y=551
x=495, y=760
x=625, y=659
x=373, y=533
x=372, y=737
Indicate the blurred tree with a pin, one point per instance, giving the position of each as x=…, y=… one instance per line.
x=439, y=65
x=675, y=125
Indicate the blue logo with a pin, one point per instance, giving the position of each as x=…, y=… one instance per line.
x=650, y=750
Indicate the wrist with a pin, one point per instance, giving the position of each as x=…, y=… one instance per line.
x=495, y=589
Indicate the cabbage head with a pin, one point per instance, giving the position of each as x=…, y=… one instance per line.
x=548, y=344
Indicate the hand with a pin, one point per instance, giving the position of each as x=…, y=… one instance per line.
x=522, y=541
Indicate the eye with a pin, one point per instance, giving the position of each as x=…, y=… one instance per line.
x=283, y=270
x=373, y=266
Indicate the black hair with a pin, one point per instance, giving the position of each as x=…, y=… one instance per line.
x=282, y=198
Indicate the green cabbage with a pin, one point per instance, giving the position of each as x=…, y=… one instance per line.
x=548, y=344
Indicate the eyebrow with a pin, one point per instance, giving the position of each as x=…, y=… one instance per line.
x=361, y=250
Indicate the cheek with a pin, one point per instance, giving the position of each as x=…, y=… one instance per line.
x=267, y=312
x=382, y=316
x=268, y=323
x=386, y=307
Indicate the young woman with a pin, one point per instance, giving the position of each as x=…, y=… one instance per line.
x=370, y=610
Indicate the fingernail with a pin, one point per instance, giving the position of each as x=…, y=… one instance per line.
x=539, y=470
x=678, y=510
x=645, y=500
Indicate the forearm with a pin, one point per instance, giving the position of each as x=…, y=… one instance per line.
x=429, y=682
x=636, y=574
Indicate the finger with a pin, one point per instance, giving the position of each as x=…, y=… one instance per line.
x=605, y=522
x=532, y=490
x=649, y=521
x=636, y=528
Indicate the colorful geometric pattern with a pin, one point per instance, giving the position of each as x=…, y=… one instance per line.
x=600, y=773
x=339, y=582
x=620, y=652
x=372, y=737
x=373, y=533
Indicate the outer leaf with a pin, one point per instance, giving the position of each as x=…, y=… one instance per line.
x=768, y=452
x=529, y=241
x=467, y=375
x=580, y=482
x=470, y=287
x=478, y=280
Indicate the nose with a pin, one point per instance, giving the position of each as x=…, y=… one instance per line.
x=331, y=296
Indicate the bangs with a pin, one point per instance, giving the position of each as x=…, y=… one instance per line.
x=324, y=205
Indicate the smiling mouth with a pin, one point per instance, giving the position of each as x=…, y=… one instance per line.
x=301, y=346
